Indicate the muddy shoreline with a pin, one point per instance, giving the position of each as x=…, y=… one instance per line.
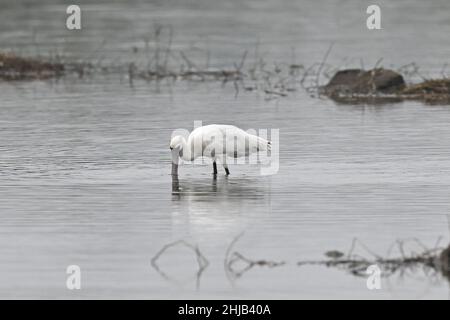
x=348, y=86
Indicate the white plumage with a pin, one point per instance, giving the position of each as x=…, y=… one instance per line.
x=218, y=142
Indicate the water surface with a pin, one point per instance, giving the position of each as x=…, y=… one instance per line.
x=85, y=166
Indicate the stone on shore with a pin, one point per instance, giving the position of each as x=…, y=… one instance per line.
x=358, y=81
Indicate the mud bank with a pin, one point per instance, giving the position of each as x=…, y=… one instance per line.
x=383, y=86
x=13, y=67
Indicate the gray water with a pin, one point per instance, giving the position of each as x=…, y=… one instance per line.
x=85, y=166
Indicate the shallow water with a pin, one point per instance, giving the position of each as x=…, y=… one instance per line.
x=84, y=164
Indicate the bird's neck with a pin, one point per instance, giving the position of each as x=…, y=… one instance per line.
x=186, y=150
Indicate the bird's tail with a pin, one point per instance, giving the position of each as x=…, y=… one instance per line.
x=263, y=144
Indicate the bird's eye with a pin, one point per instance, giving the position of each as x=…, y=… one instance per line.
x=171, y=148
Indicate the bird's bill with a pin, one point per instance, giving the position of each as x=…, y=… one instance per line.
x=174, y=169
x=175, y=160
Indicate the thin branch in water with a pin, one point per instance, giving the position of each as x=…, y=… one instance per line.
x=232, y=258
x=378, y=63
x=190, y=64
x=321, y=65
x=201, y=260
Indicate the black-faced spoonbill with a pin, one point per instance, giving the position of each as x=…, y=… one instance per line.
x=216, y=141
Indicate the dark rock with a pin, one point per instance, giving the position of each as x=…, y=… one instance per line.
x=358, y=81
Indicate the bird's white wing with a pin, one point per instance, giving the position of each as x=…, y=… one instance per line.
x=219, y=140
x=206, y=141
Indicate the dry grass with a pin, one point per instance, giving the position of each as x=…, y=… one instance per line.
x=157, y=60
x=434, y=91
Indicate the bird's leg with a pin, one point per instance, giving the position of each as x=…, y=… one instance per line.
x=225, y=166
x=214, y=168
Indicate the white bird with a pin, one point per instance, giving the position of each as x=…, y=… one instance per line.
x=216, y=141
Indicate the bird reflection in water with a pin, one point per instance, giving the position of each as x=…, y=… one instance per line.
x=191, y=189
x=245, y=190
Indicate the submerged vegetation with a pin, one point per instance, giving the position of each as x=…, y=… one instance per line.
x=158, y=61
x=433, y=263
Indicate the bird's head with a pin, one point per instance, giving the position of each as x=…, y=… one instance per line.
x=176, y=143
x=176, y=148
